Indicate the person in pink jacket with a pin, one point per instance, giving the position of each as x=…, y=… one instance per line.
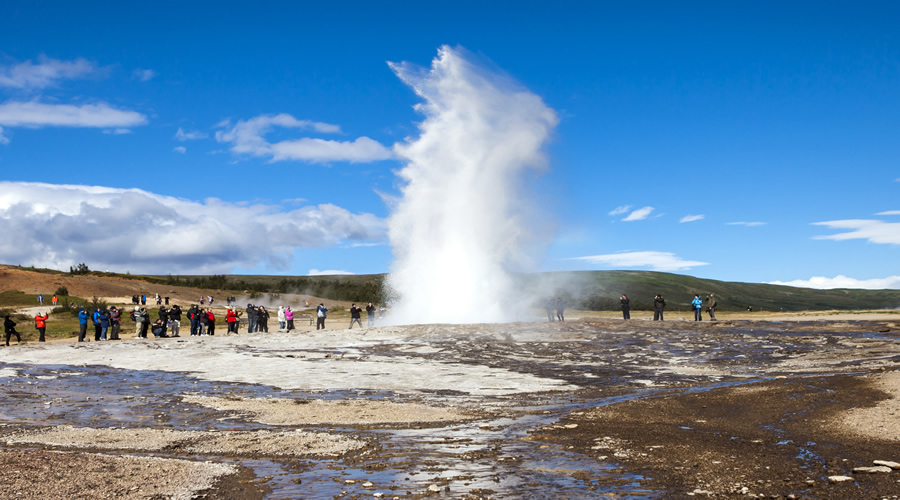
x=289, y=317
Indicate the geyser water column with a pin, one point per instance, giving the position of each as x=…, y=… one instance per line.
x=463, y=221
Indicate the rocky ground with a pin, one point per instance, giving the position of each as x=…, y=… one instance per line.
x=589, y=408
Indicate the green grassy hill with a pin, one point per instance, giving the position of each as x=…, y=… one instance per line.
x=591, y=290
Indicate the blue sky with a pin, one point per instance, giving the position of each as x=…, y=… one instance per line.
x=741, y=141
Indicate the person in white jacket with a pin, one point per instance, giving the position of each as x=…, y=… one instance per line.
x=282, y=322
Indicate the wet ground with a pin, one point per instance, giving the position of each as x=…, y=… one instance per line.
x=642, y=410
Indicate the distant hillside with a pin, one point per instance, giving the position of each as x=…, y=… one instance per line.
x=591, y=290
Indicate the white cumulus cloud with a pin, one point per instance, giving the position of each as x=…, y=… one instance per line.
x=841, y=281
x=691, y=218
x=873, y=231
x=28, y=75
x=247, y=137
x=620, y=210
x=639, y=214
x=657, y=261
x=57, y=226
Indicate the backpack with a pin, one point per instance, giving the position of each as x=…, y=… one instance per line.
x=132, y=316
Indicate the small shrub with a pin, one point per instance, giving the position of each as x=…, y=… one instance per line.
x=62, y=292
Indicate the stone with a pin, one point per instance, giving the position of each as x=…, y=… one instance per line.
x=839, y=479
x=872, y=470
x=888, y=463
x=434, y=488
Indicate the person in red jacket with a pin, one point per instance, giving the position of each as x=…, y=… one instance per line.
x=40, y=322
x=231, y=318
x=210, y=322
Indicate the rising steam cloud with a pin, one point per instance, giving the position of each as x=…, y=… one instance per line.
x=463, y=222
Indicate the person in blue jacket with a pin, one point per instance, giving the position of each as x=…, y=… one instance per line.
x=104, y=324
x=698, y=308
x=82, y=324
x=95, y=318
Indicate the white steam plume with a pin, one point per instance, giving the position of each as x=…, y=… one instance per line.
x=463, y=221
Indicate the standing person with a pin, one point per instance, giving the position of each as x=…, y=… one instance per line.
x=164, y=317
x=251, y=318
x=698, y=307
x=289, y=317
x=10, y=327
x=262, y=322
x=145, y=322
x=95, y=318
x=193, y=316
x=138, y=322
x=210, y=322
x=711, y=305
x=115, y=322
x=659, y=303
x=209, y=300
x=321, y=313
x=143, y=299
x=354, y=315
x=281, y=320
x=166, y=300
x=201, y=301
x=82, y=324
x=175, y=318
x=104, y=324
x=40, y=322
x=203, y=320
x=626, y=306
x=549, y=305
x=158, y=299
x=370, y=314
x=231, y=320
x=560, y=309
x=54, y=300
x=41, y=299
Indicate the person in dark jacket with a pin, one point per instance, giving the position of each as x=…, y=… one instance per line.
x=321, y=314
x=145, y=322
x=104, y=324
x=115, y=322
x=82, y=324
x=262, y=319
x=354, y=315
x=626, y=306
x=371, y=311
x=10, y=327
x=658, y=305
x=252, y=318
x=193, y=315
x=711, y=305
x=560, y=309
x=164, y=317
x=175, y=320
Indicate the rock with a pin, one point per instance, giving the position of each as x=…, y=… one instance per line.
x=368, y=484
x=872, y=470
x=839, y=479
x=434, y=488
x=888, y=463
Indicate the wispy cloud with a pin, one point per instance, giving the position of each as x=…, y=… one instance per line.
x=33, y=114
x=841, y=281
x=180, y=149
x=657, y=261
x=889, y=212
x=328, y=272
x=639, y=214
x=159, y=234
x=748, y=224
x=691, y=218
x=620, y=210
x=247, y=137
x=190, y=135
x=118, y=131
x=144, y=75
x=873, y=231
x=47, y=72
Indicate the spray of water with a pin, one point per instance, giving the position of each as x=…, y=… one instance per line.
x=462, y=223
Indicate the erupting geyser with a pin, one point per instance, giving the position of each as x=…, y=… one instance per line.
x=463, y=221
